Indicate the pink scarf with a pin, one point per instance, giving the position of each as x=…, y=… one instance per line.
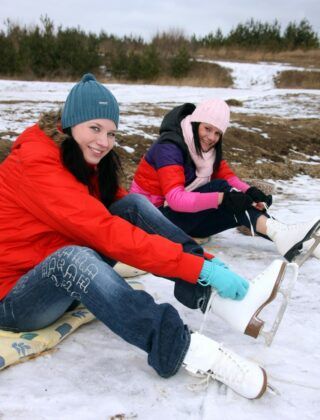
x=204, y=164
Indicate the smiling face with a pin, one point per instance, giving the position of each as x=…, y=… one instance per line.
x=95, y=138
x=209, y=136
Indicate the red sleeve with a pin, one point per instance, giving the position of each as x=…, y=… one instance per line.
x=52, y=194
x=170, y=177
x=224, y=171
x=208, y=256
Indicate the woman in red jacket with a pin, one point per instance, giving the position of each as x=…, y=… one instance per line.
x=64, y=222
x=184, y=175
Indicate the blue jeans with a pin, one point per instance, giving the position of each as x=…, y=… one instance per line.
x=79, y=274
x=209, y=222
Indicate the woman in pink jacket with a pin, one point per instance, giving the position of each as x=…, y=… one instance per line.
x=185, y=176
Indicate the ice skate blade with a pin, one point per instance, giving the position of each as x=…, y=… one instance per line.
x=302, y=257
x=295, y=251
x=256, y=324
x=286, y=293
x=273, y=390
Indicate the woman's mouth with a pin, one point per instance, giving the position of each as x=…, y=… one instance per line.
x=96, y=151
x=206, y=144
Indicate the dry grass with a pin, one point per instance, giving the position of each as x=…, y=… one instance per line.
x=32, y=78
x=290, y=149
x=5, y=147
x=293, y=79
x=201, y=74
x=287, y=152
x=211, y=74
x=304, y=58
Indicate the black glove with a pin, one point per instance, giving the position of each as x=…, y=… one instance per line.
x=259, y=196
x=236, y=202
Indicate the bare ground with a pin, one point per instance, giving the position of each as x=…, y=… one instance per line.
x=282, y=149
x=255, y=146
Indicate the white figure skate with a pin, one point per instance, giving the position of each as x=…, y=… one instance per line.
x=207, y=358
x=243, y=314
x=292, y=240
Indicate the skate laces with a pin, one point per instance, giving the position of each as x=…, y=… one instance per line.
x=202, y=384
x=227, y=370
x=251, y=227
x=248, y=216
x=208, y=308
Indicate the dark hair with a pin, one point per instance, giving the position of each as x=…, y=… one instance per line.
x=218, y=146
x=109, y=169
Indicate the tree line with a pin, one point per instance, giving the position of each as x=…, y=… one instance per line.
x=44, y=50
x=266, y=36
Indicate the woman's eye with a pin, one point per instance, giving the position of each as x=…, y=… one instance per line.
x=94, y=128
x=112, y=135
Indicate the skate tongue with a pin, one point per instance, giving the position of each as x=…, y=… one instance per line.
x=201, y=353
x=227, y=369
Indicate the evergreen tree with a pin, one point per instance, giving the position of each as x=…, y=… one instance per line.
x=300, y=36
x=180, y=64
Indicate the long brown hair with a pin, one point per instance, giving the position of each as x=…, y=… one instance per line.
x=109, y=169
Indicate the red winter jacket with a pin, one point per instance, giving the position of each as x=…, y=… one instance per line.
x=43, y=208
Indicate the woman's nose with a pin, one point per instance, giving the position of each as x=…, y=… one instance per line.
x=215, y=137
x=103, y=141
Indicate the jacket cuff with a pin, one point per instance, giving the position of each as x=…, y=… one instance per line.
x=190, y=267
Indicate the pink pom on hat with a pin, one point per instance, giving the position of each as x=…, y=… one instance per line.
x=212, y=111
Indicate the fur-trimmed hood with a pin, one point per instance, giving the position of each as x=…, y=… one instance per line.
x=47, y=129
x=50, y=124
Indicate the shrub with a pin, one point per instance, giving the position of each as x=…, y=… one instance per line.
x=298, y=79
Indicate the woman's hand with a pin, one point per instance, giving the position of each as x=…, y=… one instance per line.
x=227, y=283
x=236, y=202
x=259, y=197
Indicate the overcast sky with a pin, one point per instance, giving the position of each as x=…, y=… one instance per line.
x=147, y=17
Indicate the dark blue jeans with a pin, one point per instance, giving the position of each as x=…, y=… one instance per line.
x=209, y=222
x=79, y=274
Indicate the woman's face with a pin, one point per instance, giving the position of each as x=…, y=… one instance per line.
x=209, y=135
x=95, y=138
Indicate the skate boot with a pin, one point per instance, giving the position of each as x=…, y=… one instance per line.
x=242, y=315
x=289, y=239
x=207, y=358
x=126, y=271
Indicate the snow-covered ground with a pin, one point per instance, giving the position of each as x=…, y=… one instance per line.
x=95, y=375
x=259, y=76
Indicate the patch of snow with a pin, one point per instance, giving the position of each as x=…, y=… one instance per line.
x=128, y=149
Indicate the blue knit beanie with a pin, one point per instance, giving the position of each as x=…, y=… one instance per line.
x=89, y=100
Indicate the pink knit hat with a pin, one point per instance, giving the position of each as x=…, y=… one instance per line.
x=212, y=111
